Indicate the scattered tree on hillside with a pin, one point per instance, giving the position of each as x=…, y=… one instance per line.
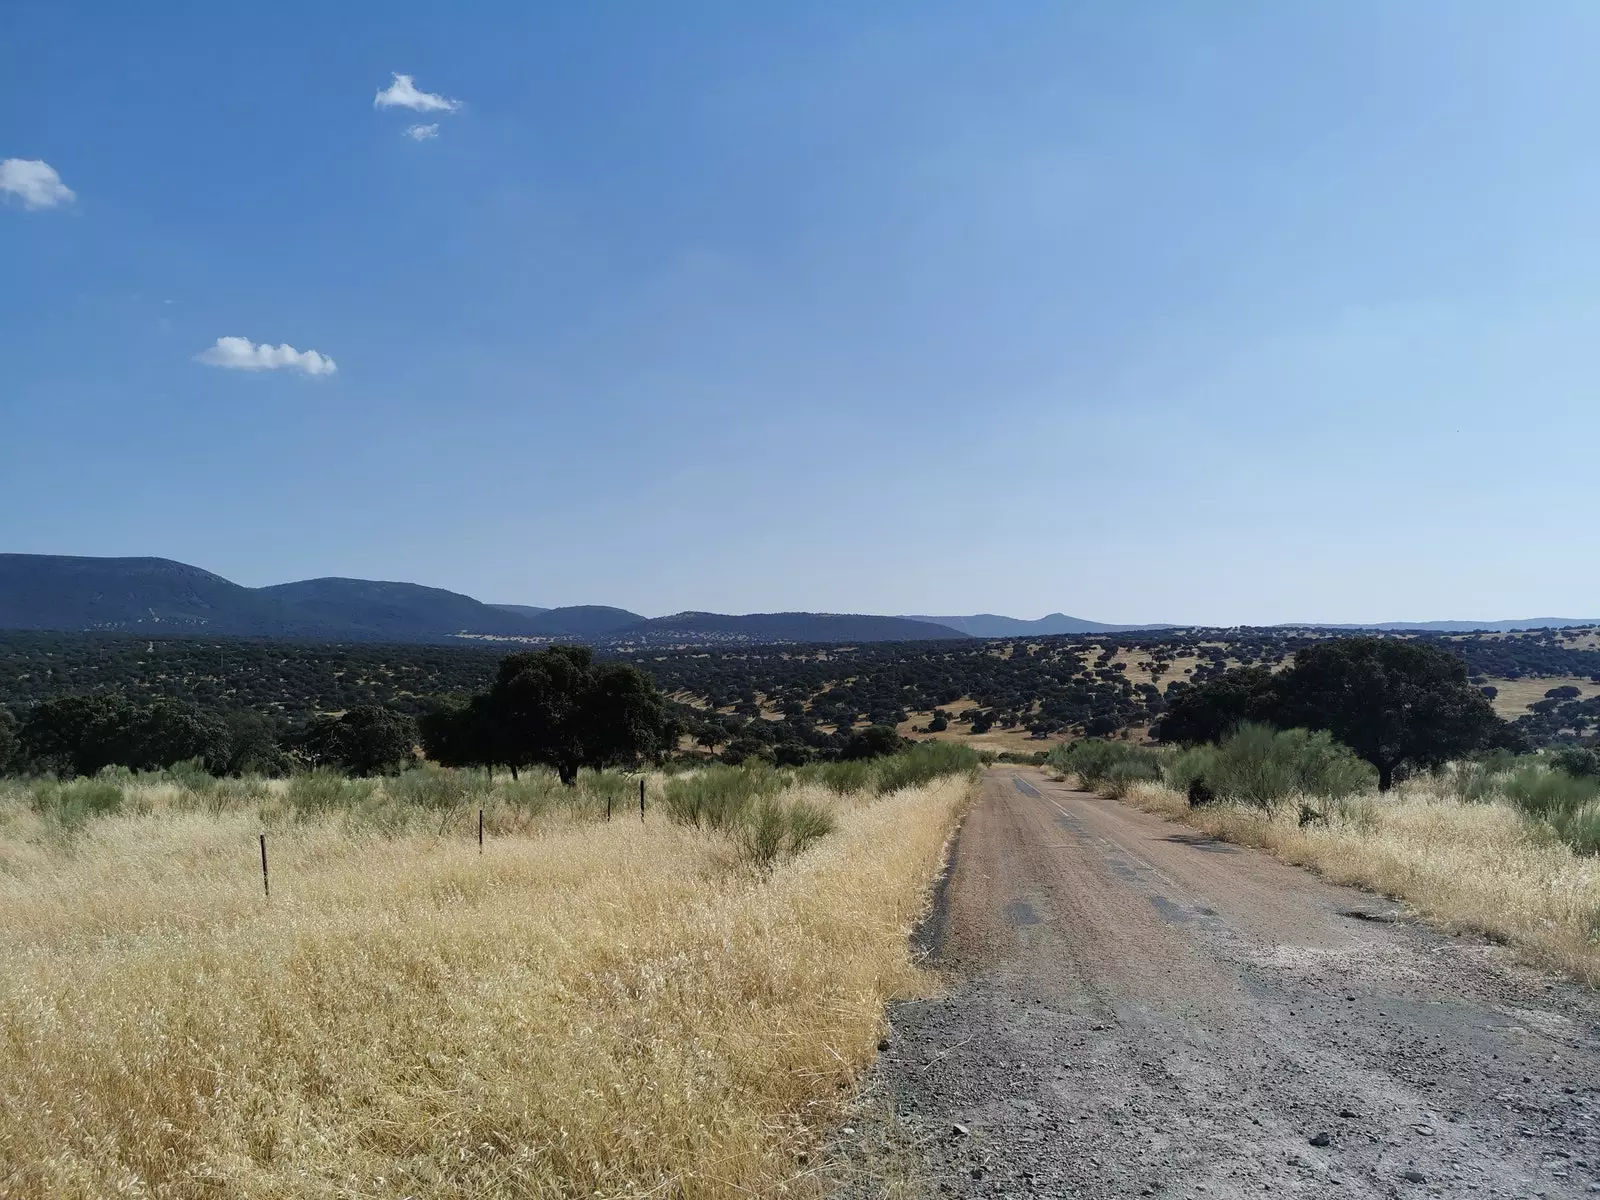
x=1398, y=704
x=80, y=735
x=872, y=742
x=367, y=740
x=556, y=707
x=8, y=740
x=1210, y=711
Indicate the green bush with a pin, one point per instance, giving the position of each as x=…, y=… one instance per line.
x=1483, y=779
x=1187, y=766
x=1121, y=776
x=436, y=788
x=1568, y=804
x=1261, y=766
x=716, y=797
x=75, y=801
x=1542, y=792
x=535, y=790
x=326, y=790
x=1579, y=827
x=771, y=828
x=841, y=778
x=1581, y=761
x=1092, y=759
x=922, y=763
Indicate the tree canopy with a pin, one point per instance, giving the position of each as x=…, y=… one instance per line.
x=555, y=707
x=1398, y=704
x=368, y=740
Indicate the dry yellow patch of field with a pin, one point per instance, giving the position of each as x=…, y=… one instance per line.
x=1470, y=867
x=1016, y=741
x=584, y=1009
x=1513, y=696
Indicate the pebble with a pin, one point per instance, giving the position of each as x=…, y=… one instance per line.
x=959, y=1130
x=1413, y=1176
x=1321, y=1139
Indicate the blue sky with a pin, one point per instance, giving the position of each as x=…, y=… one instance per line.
x=1228, y=312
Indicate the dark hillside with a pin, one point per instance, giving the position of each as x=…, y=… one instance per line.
x=391, y=611
x=55, y=591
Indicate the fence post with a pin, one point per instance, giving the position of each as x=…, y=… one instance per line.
x=480, y=831
x=641, y=799
x=265, y=885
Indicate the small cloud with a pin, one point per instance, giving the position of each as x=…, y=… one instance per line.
x=403, y=93
x=421, y=133
x=241, y=354
x=35, y=182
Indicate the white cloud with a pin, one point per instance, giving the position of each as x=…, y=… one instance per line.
x=241, y=354
x=35, y=182
x=403, y=93
x=421, y=133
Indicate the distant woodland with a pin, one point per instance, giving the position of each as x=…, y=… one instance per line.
x=1096, y=684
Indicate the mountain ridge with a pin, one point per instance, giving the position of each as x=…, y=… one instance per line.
x=71, y=593
x=67, y=593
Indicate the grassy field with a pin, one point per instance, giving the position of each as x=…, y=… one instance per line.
x=1474, y=867
x=584, y=1008
x=1513, y=696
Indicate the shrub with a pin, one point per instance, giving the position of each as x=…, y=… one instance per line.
x=1121, y=776
x=1544, y=793
x=74, y=802
x=324, y=790
x=922, y=762
x=841, y=778
x=437, y=788
x=771, y=828
x=717, y=796
x=1189, y=766
x=1092, y=759
x=1261, y=766
x=1583, y=761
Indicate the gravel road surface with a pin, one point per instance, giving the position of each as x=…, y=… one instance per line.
x=1137, y=1010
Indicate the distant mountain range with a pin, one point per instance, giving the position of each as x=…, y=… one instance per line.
x=158, y=595
x=988, y=625
x=1462, y=626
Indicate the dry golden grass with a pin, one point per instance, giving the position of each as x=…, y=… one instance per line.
x=1513, y=696
x=1472, y=867
x=586, y=1009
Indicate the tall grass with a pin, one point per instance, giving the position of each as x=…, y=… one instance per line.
x=584, y=1008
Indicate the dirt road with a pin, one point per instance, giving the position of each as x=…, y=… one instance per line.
x=1137, y=1010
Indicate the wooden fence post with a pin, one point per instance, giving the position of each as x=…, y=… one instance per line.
x=641, y=799
x=265, y=885
x=480, y=831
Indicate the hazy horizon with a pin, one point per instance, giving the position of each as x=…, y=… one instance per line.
x=1222, y=314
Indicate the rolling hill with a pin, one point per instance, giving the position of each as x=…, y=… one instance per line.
x=159, y=596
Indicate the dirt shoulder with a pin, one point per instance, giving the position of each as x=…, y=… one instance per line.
x=1135, y=1009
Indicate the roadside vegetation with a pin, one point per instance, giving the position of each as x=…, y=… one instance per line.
x=1498, y=843
x=678, y=1002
